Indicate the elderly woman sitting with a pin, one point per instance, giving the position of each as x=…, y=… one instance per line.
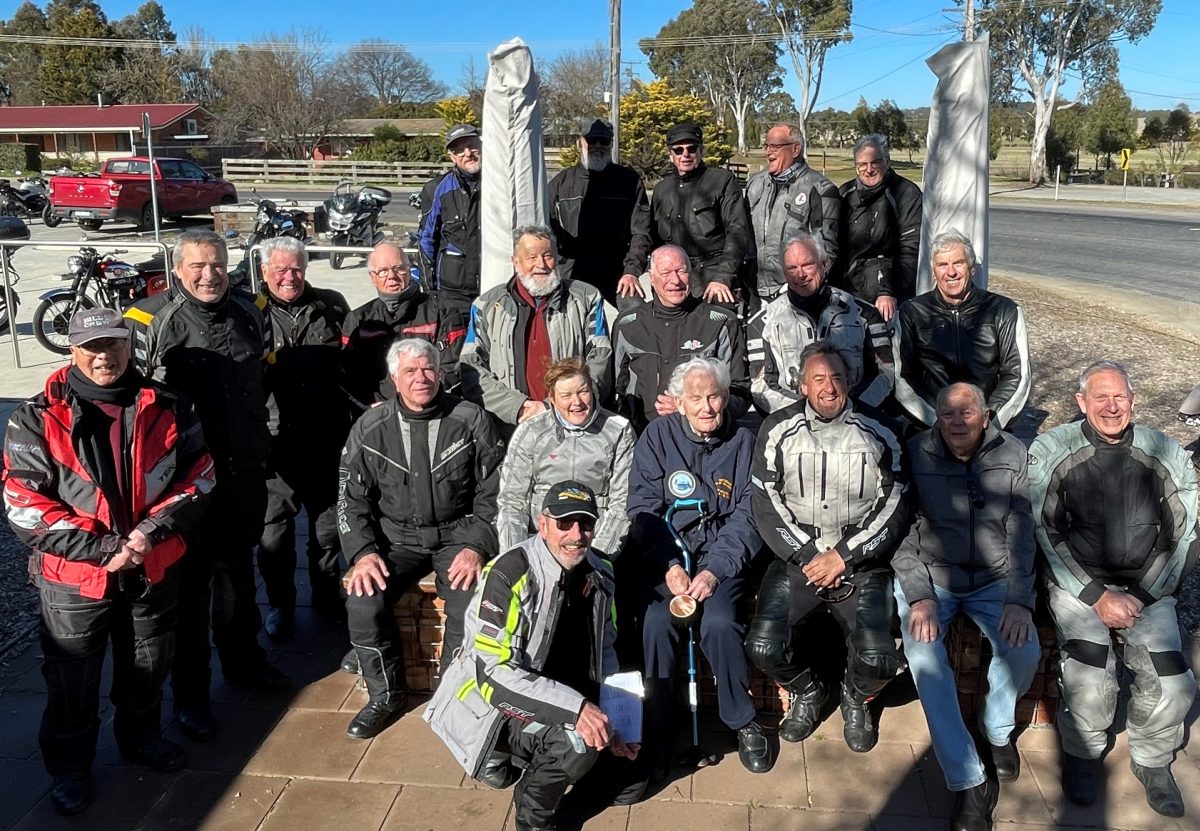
x=575, y=439
x=697, y=453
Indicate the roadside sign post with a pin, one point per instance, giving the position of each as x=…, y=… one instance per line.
x=153, y=184
x=1125, y=154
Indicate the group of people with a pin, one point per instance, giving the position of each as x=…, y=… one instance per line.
x=823, y=443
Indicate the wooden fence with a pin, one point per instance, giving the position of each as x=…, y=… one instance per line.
x=331, y=171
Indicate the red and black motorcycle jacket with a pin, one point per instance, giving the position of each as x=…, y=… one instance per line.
x=57, y=507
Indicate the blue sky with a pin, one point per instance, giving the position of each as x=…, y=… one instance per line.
x=1159, y=71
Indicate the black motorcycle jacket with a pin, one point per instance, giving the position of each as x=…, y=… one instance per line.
x=704, y=213
x=879, y=238
x=601, y=223
x=650, y=341
x=981, y=341
x=421, y=479
x=450, y=238
x=215, y=354
x=369, y=330
x=306, y=400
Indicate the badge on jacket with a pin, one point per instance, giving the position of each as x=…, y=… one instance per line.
x=681, y=484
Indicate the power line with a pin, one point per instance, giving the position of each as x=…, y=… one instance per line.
x=889, y=72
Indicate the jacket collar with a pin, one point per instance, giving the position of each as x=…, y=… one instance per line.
x=556, y=298
x=719, y=436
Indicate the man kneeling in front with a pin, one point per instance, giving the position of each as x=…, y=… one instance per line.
x=538, y=643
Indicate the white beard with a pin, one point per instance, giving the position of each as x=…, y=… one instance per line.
x=540, y=286
x=596, y=163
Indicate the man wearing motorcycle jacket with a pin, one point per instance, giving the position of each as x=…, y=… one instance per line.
x=401, y=309
x=102, y=473
x=701, y=210
x=525, y=687
x=417, y=492
x=212, y=343
x=785, y=199
x=600, y=216
x=309, y=419
x=674, y=327
x=812, y=310
x=450, y=238
x=880, y=230
x=960, y=332
x=830, y=501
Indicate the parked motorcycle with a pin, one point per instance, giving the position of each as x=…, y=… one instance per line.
x=11, y=228
x=96, y=280
x=353, y=218
x=269, y=221
x=31, y=198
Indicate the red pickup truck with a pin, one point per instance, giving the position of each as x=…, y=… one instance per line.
x=121, y=191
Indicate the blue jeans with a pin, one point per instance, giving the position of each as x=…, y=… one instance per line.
x=1009, y=676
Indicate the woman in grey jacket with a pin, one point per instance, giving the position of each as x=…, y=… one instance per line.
x=574, y=439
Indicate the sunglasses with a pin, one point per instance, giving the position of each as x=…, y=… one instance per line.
x=598, y=142
x=681, y=149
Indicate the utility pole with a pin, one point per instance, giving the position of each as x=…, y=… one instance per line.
x=614, y=72
x=969, y=22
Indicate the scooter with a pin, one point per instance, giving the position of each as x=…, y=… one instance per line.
x=353, y=218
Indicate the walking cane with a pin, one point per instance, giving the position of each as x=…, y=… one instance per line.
x=678, y=505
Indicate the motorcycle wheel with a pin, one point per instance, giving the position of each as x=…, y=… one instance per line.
x=336, y=260
x=49, y=218
x=3, y=316
x=90, y=224
x=52, y=318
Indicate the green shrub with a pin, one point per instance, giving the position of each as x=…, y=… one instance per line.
x=23, y=157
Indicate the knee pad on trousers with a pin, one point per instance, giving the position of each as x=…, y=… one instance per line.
x=875, y=662
x=766, y=643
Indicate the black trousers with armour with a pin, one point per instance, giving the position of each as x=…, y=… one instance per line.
x=373, y=629
x=554, y=758
x=301, y=478
x=140, y=621
x=217, y=589
x=865, y=619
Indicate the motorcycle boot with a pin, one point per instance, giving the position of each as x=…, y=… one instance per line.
x=386, y=696
x=803, y=716
x=859, y=725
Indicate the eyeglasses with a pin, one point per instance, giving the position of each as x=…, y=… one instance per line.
x=773, y=147
x=598, y=142
x=464, y=149
x=682, y=149
x=870, y=164
x=395, y=271
x=566, y=523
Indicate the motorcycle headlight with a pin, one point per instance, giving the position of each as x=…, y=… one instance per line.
x=74, y=264
x=262, y=216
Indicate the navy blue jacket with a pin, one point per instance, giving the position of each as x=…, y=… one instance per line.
x=669, y=460
x=450, y=237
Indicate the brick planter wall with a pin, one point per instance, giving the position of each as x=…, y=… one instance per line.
x=421, y=619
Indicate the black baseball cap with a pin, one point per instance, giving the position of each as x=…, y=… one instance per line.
x=96, y=324
x=461, y=131
x=595, y=128
x=570, y=498
x=685, y=131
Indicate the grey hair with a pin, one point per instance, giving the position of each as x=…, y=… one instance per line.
x=410, y=346
x=387, y=243
x=198, y=236
x=814, y=244
x=687, y=261
x=284, y=245
x=875, y=141
x=717, y=369
x=976, y=393
x=794, y=133
x=531, y=230
x=813, y=350
x=1103, y=365
x=949, y=239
